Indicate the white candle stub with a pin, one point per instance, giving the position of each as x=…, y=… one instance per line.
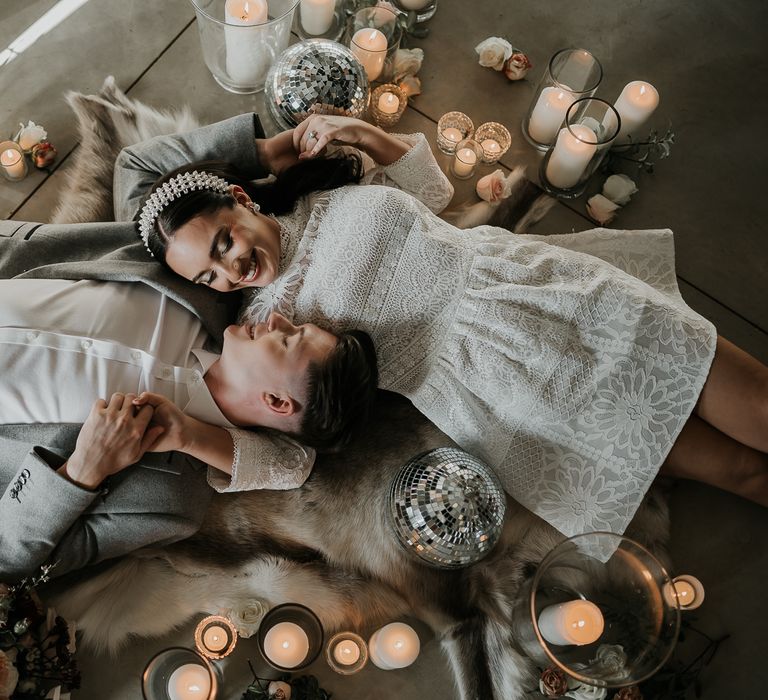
x=414, y=4
x=346, y=652
x=388, y=103
x=452, y=134
x=317, y=15
x=637, y=102
x=189, y=682
x=395, y=645
x=491, y=146
x=13, y=163
x=572, y=152
x=464, y=162
x=286, y=644
x=686, y=591
x=215, y=638
x=548, y=114
x=575, y=622
x=370, y=48
x=246, y=62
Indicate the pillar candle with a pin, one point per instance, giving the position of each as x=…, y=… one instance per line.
x=245, y=60
x=189, y=682
x=388, y=103
x=637, y=102
x=570, y=156
x=548, y=114
x=317, y=15
x=464, y=162
x=346, y=652
x=370, y=48
x=575, y=622
x=286, y=644
x=13, y=163
x=395, y=645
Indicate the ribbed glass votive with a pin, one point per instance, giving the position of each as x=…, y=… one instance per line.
x=388, y=102
x=452, y=128
x=494, y=139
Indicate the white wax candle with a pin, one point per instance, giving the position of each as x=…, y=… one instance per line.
x=395, y=645
x=245, y=59
x=637, y=102
x=687, y=591
x=215, y=638
x=388, y=103
x=548, y=114
x=370, y=48
x=414, y=4
x=286, y=644
x=570, y=156
x=13, y=163
x=464, y=162
x=575, y=622
x=491, y=146
x=189, y=682
x=346, y=652
x=317, y=15
x=452, y=134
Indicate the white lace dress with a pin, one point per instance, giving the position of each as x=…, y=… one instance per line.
x=568, y=363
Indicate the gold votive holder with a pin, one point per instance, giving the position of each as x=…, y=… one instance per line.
x=215, y=637
x=452, y=128
x=388, y=102
x=346, y=653
x=494, y=139
x=468, y=154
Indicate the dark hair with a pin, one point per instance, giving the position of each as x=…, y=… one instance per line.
x=278, y=196
x=341, y=392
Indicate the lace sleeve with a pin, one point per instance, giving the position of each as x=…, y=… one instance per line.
x=264, y=460
x=417, y=173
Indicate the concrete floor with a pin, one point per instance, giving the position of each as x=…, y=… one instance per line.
x=708, y=62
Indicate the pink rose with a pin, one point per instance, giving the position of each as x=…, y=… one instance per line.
x=493, y=187
x=601, y=209
x=9, y=676
x=517, y=65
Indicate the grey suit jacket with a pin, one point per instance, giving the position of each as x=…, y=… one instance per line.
x=44, y=517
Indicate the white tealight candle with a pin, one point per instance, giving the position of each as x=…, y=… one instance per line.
x=491, y=146
x=464, y=162
x=215, y=638
x=570, y=156
x=13, y=163
x=286, y=644
x=346, y=652
x=245, y=59
x=687, y=591
x=317, y=15
x=189, y=682
x=637, y=102
x=548, y=114
x=388, y=103
x=414, y=4
x=575, y=622
x=395, y=645
x=453, y=134
x=370, y=48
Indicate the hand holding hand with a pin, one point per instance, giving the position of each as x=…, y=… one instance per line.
x=311, y=137
x=175, y=425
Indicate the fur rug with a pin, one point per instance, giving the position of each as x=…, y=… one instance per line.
x=327, y=545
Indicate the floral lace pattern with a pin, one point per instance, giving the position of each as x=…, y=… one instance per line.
x=568, y=363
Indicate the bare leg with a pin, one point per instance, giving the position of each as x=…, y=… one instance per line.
x=703, y=453
x=735, y=396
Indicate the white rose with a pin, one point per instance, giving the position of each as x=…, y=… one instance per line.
x=580, y=691
x=493, y=187
x=279, y=690
x=619, y=189
x=407, y=62
x=612, y=659
x=494, y=52
x=248, y=619
x=9, y=676
x=30, y=135
x=601, y=209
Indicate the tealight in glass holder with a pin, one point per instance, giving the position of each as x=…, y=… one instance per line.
x=571, y=75
x=494, y=138
x=590, y=127
x=424, y=9
x=388, y=102
x=290, y=637
x=373, y=36
x=215, y=637
x=321, y=19
x=468, y=154
x=12, y=161
x=178, y=672
x=346, y=653
x=452, y=128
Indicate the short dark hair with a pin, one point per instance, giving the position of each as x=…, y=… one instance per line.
x=340, y=392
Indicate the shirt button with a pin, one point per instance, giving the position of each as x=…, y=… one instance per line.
x=32, y=335
x=136, y=355
x=167, y=372
x=196, y=377
x=85, y=344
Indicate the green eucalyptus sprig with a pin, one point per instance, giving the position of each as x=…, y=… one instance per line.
x=643, y=154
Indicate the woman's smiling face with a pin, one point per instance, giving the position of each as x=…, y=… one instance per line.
x=226, y=250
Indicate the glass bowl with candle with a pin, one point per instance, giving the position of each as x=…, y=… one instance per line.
x=494, y=138
x=453, y=127
x=290, y=637
x=424, y=9
x=388, y=102
x=346, y=653
x=178, y=673
x=596, y=609
x=321, y=19
x=12, y=161
x=373, y=36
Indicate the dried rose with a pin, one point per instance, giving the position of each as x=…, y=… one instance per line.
x=493, y=187
x=494, y=52
x=279, y=690
x=44, y=154
x=9, y=676
x=619, y=189
x=631, y=692
x=248, y=618
x=410, y=85
x=407, y=62
x=553, y=683
x=601, y=209
x=517, y=65
x=30, y=135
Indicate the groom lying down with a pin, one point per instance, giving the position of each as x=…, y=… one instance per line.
x=132, y=366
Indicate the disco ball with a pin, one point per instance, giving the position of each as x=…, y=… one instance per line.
x=447, y=507
x=316, y=76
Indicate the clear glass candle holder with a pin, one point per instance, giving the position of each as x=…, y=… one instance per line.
x=424, y=9
x=241, y=41
x=590, y=127
x=571, y=74
x=494, y=138
x=299, y=627
x=468, y=154
x=373, y=36
x=178, y=672
x=321, y=19
x=452, y=128
x=346, y=653
x=12, y=161
x=388, y=102
x=215, y=637
x=635, y=629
